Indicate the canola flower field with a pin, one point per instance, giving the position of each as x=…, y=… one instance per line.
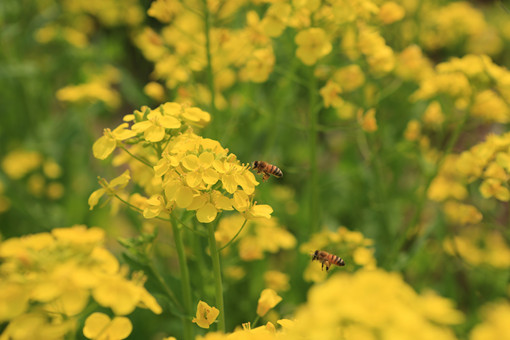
x=131, y=206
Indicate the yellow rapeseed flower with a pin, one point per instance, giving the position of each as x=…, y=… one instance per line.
x=268, y=300
x=110, y=189
x=99, y=326
x=206, y=315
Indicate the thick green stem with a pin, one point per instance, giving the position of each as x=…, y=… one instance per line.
x=218, y=285
x=313, y=115
x=209, y=69
x=185, y=281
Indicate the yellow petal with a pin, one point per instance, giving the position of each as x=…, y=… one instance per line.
x=241, y=201
x=262, y=210
x=95, y=324
x=268, y=299
x=141, y=126
x=207, y=213
x=206, y=315
x=95, y=196
x=184, y=197
x=103, y=147
x=190, y=162
x=210, y=176
x=206, y=159
x=193, y=179
x=169, y=122
x=120, y=328
x=154, y=133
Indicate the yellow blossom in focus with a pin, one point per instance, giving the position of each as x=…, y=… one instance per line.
x=391, y=12
x=154, y=127
x=268, y=300
x=206, y=315
x=99, y=326
x=106, y=144
x=111, y=188
x=313, y=44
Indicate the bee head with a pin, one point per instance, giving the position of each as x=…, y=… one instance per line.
x=255, y=164
x=315, y=255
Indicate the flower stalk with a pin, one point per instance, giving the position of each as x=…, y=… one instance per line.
x=185, y=280
x=218, y=284
x=313, y=115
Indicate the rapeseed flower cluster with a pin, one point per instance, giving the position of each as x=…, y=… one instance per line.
x=76, y=23
x=473, y=83
x=368, y=304
x=99, y=88
x=48, y=279
x=352, y=246
x=372, y=304
x=177, y=168
x=488, y=162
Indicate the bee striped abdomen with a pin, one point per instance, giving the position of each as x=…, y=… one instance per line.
x=267, y=169
x=327, y=259
x=276, y=171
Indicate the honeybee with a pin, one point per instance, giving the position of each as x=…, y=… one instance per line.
x=267, y=169
x=327, y=259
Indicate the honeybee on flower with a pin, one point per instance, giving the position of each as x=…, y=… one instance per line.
x=327, y=259
x=267, y=170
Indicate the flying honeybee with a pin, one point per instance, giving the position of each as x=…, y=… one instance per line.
x=267, y=169
x=327, y=259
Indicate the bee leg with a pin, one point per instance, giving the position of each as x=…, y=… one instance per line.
x=327, y=265
x=265, y=177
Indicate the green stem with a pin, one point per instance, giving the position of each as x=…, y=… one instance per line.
x=235, y=236
x=210, y=74
x=137, y=158
x=313, y=114
x=185, y=280
x=255, y=322
x=215, y=256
